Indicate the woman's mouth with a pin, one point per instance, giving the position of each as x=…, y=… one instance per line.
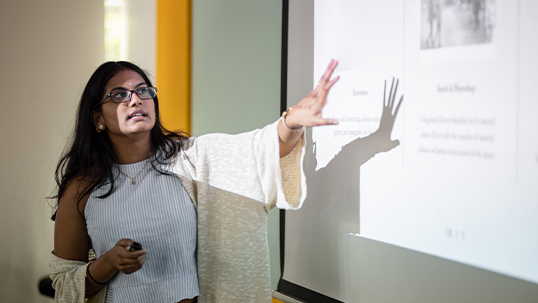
x=137, y=115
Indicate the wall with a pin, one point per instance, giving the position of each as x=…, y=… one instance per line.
x=236, y=48
x=49, y=50
x=142, y=28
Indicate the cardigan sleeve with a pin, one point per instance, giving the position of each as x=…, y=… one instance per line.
x=246, y=164
x=68, y=280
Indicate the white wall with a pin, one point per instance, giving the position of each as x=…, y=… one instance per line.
x=236, y=49
x=142, y=32
x=49, y=50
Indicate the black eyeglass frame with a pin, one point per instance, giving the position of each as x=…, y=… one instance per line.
x=130, y=95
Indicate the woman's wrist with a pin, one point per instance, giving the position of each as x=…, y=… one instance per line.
x=102, y=269
x=89, y=275
x=290, y=123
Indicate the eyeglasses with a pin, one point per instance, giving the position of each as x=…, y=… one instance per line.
x=121, y=96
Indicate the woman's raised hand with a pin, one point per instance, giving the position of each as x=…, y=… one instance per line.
x=308, y=111
x=126, y=261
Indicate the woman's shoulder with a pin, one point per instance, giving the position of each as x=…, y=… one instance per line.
x=77, y=192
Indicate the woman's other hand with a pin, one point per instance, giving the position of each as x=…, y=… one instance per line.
x=126, y=261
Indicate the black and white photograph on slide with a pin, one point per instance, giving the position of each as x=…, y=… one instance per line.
x=446, y=23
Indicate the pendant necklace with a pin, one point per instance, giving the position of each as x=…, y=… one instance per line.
x=133, y=180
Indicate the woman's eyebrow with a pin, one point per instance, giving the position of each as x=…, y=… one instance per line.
x=123, y=88
x=140, y=84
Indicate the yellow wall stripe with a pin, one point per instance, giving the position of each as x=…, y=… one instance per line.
x=173, y=67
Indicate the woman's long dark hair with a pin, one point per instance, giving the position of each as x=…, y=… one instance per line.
x=90, y=155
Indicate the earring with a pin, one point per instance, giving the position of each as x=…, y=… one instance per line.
x=100, y=128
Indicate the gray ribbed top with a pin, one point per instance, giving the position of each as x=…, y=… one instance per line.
x=158, y=213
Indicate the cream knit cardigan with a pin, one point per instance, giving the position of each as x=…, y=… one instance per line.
x=233, y=180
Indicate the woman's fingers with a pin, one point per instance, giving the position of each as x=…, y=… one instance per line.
x=124, y=242
x=308, y=111
x=129, y=269
x=325, y=83
x=133, y=261
x=136, y=254
x=323, y=121
x=328, y=73
x=128, y=261
x=323, y=90
x=331, y=83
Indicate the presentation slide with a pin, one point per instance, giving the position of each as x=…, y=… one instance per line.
x=437, y=146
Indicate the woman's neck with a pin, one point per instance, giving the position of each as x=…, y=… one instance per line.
x=129, y=150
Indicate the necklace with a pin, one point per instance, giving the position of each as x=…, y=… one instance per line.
x=133, y=180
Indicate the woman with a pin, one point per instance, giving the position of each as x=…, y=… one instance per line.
x=189, y=201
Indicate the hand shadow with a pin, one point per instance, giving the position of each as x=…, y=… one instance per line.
x=332, y=205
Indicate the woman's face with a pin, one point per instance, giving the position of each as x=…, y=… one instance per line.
x=129, y=119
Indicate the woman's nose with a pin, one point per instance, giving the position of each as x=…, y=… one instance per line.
x=135, y=100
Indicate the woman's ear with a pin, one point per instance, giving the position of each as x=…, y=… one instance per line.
x=98, y=121
x=96, y=118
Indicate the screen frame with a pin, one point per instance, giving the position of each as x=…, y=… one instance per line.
x=286, y=287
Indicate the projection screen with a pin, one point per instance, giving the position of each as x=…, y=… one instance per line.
x=437, y=147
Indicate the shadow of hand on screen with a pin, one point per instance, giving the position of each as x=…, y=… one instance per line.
x=388, y=116
x=332, y=206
